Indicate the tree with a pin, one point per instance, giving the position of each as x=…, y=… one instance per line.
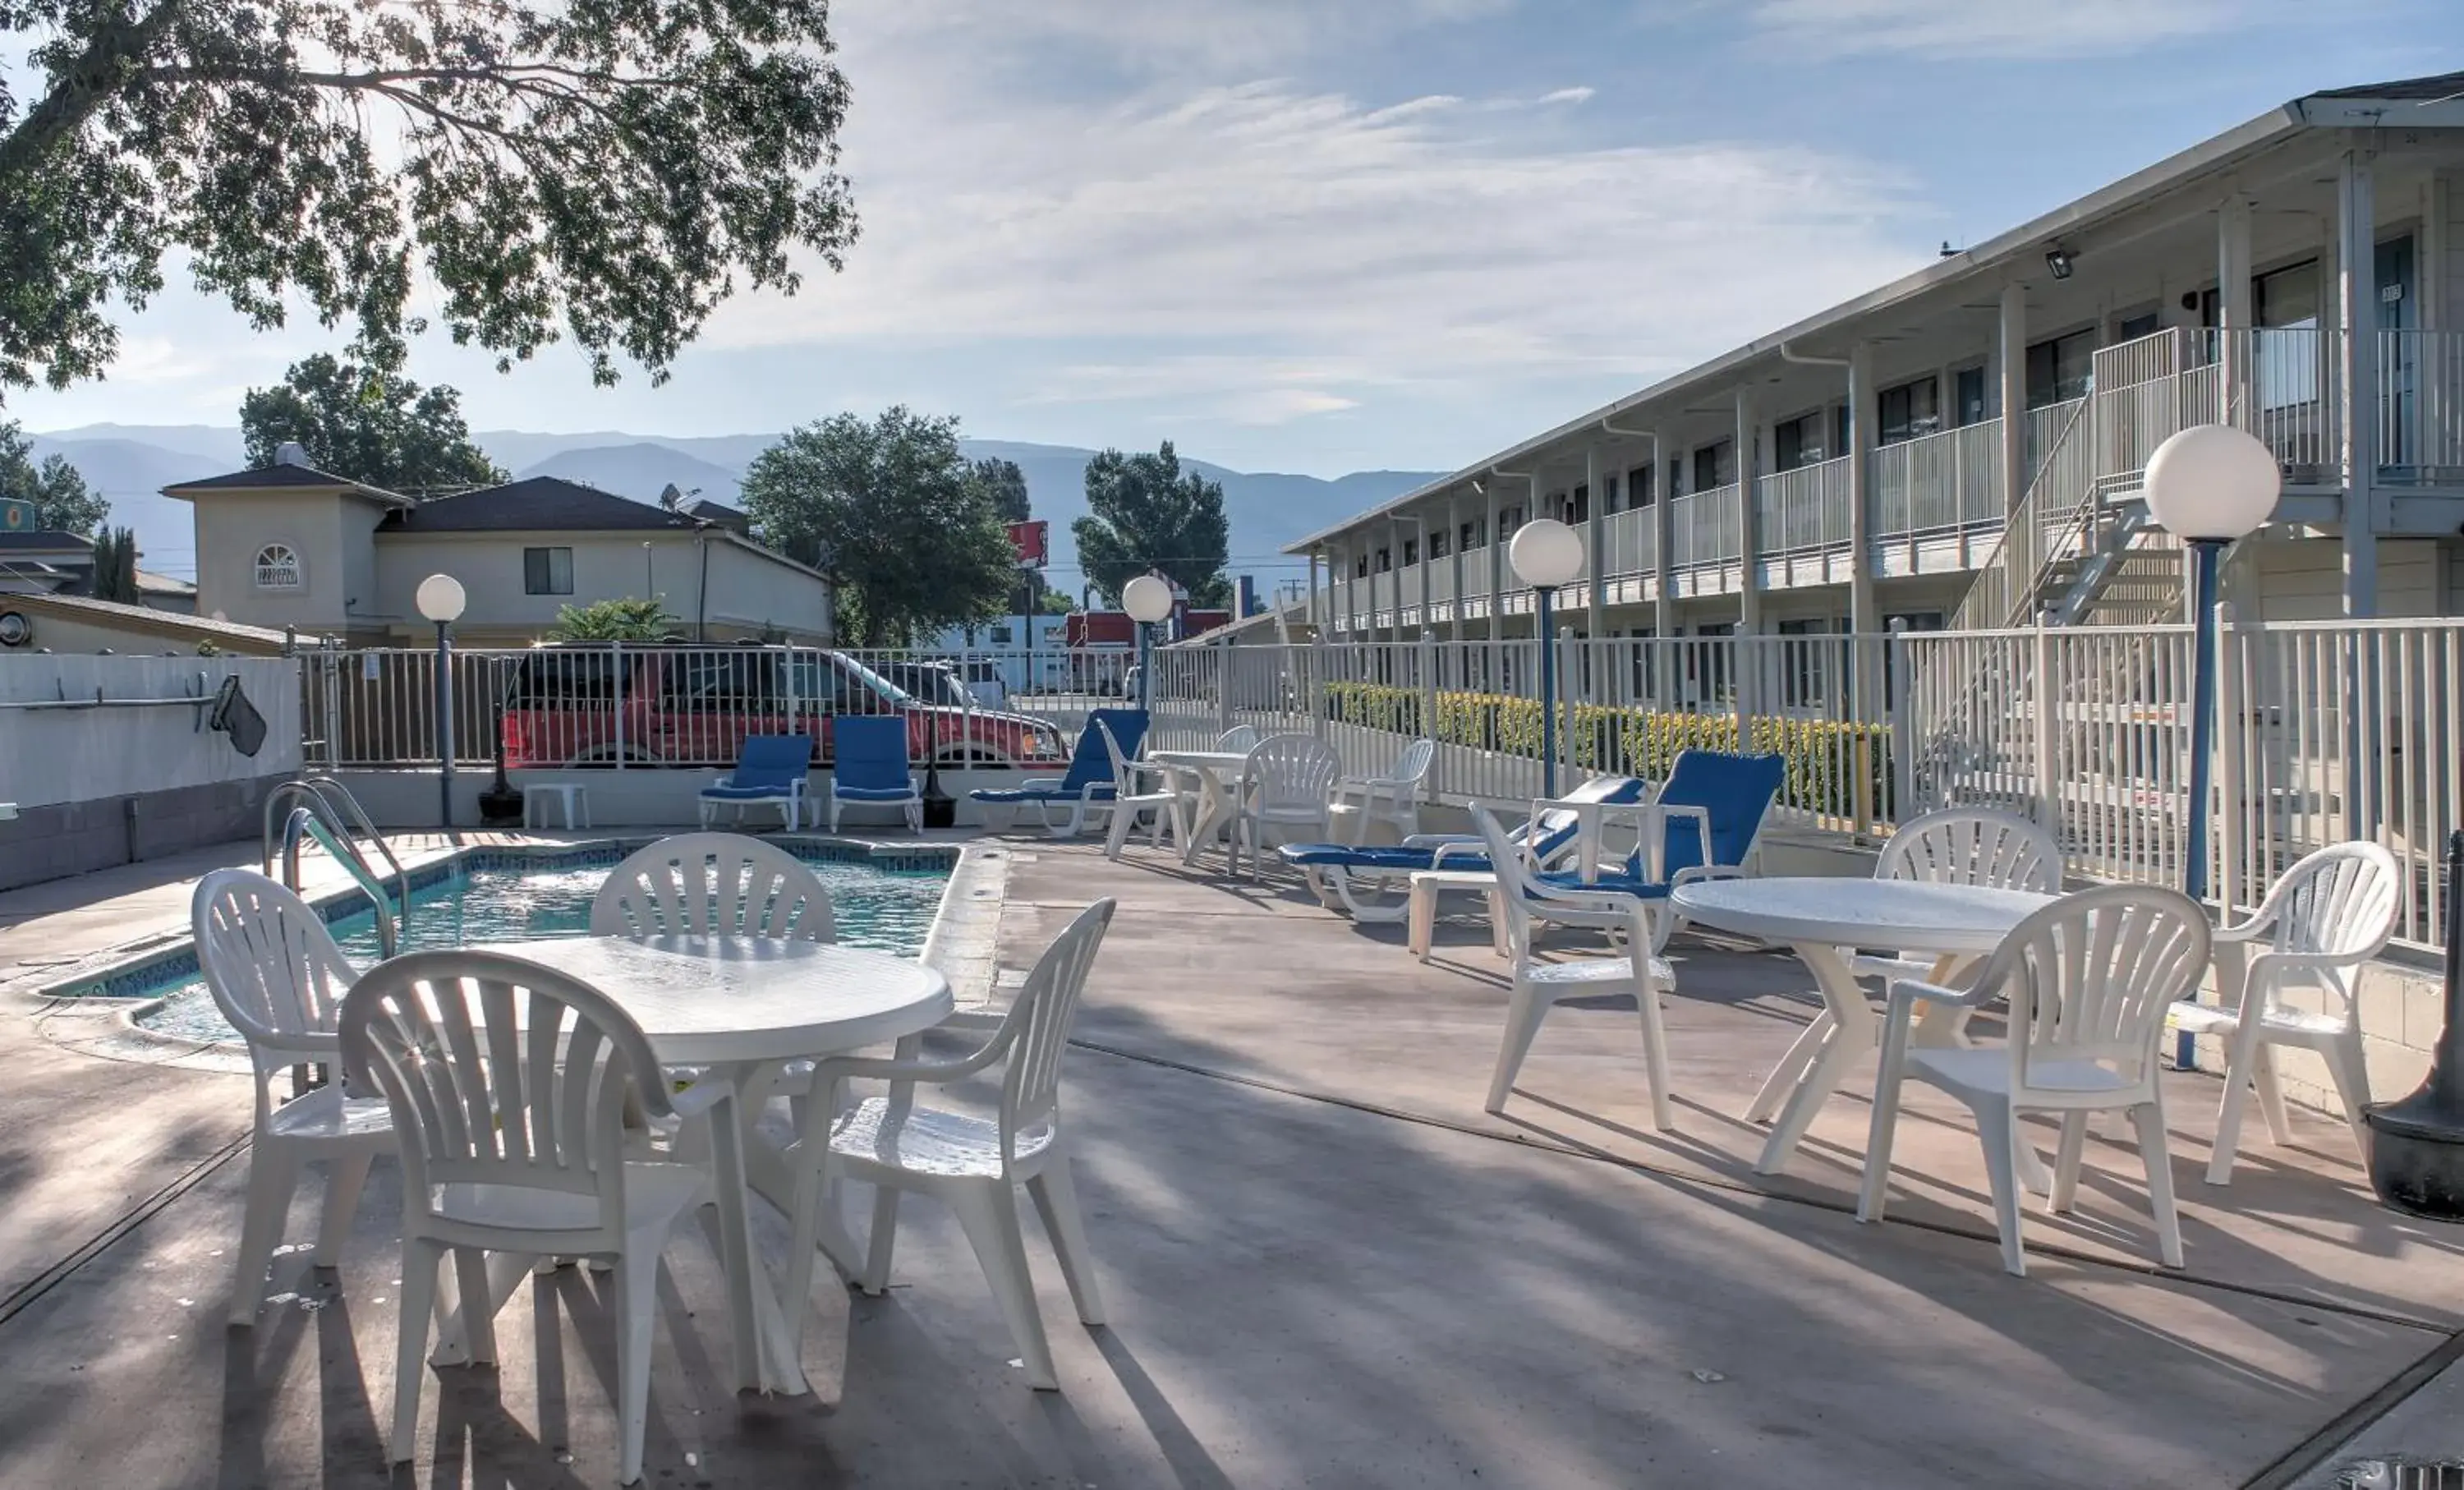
x=366, y=421
x=115, y=566
x=613, y=621
x=614, y=167
x=1008, y=485
x=908, y=534
x=1144, y=513
x=63, y=503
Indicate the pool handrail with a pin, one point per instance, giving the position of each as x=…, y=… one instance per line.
x=306, y=822
x=325, y=792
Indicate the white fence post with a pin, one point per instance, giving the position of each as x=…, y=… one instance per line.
x=616, y=695
x=1899, y=675
x=2044, y=695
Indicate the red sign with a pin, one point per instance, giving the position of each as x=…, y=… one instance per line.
x=1033, y=542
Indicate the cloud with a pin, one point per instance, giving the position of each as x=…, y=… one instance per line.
x=1240, y=231
x=1215, y=36
x=2018, y=29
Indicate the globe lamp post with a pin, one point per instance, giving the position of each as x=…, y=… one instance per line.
x=440, y=598
x=1547, y=555
x=1148, y=599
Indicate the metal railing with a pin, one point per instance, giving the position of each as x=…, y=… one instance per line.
x=1705, y=528
x=2421, y=405
x=1940, y=483
x=334, y=803
x=1628, y=543
x=306, y=822
x=1805, y=510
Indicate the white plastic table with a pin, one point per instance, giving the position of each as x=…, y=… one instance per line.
x=1208, y=768
x=567, y=795
x=1822, y=918
x=744, y=1006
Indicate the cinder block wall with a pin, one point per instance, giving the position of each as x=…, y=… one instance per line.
x=60, y=839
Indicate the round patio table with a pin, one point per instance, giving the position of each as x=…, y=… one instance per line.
x=1823, y=919
x=742, y=1007
x=1208, y=770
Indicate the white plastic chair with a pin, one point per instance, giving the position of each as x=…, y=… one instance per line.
x=1539, y=986
x=2088, y=978
x=1132, y=796
x=276, y=976
x=508, y=1083
x=974, y=1164
x=2330, y=914
x=1243, y=738
x=1393, y=799
x=1288, y=781
x=1960, y=845
x=713, y=885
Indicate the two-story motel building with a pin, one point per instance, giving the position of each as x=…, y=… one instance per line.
x=1963, y=448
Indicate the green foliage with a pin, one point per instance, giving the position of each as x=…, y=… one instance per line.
x=1055, y=604
x=907, y=533
x=1143, y=513
x=1006, y=485
x=1823, y=756
x=63, y=503
x=613, y=621
x=606, y=170
x=366, y=421
x=115, y=566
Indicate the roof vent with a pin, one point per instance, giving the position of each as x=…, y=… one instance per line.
x=291, y=453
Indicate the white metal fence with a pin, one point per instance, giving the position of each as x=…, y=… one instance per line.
x=2327, y=731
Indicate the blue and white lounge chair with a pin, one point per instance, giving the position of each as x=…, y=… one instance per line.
x=1712, y=809
x=1088, y=790
x=1346, y=875
x=770, y=769
x=869, y=754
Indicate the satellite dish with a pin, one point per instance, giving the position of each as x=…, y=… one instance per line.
x=290, y=453
x=671, y=498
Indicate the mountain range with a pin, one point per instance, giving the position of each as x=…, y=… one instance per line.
x=130, y=463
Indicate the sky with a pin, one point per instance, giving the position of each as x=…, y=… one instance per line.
x=1330, y=235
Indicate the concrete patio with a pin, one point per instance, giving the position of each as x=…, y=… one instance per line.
x=1324, y=1265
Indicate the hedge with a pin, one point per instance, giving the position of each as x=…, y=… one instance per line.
x=1821, y=754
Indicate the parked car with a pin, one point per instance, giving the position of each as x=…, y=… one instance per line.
x=596, y=704
x=933, y=682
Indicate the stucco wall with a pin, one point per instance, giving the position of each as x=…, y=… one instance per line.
x=75, y=755
x=324, y=528
x=745, y=590
x=748, y=593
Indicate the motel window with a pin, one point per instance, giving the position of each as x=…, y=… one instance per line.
x=1968, y=396
x=1715, y=466
x=278, y=567
x=1385, y=560
x=1360, y=567
x=1579, y=504
x=547, y=571
x=1910, y=410
x=1608, y=493
x=2062, y=369
x=1472, y=535
x=2287, y=297
x=1638, y=488
x=1410, y=552
x=1509, y=519
x=1676, y=475
x=1437, y=542
x=2130, y=328
x=1798, y=442
x=1001, y=636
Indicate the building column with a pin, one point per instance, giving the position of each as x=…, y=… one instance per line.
x=1750, y=585
x=1592, y=539
x=2010, y=370
x=1861, y=619
x=1309, y=605
x=2233, y=344
x=1455, y=558
x=2357, y=359
x=1664, y=605
x=1496, y=564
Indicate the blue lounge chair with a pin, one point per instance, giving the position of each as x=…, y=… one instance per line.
x=868, y=768
x=1717, y=805
x=1344, y=875
x=1088, y=790
x=770, y=769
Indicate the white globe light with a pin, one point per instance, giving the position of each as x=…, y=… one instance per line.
x=2213, y=481
x=1546, y=555
x=1147, y=599
x=440, y=598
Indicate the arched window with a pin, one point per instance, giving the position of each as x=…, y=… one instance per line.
x=278, y=567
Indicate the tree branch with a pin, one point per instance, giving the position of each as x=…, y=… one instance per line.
x=82, y=87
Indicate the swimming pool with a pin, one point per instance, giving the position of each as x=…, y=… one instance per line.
x=883, y=902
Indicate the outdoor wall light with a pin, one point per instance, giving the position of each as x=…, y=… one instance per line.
x=2058, y=260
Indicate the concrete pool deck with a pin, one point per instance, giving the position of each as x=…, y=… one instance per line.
x=1324, y=1264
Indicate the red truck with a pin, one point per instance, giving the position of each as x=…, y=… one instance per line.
x=651, y=705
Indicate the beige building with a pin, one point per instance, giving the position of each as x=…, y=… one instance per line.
x=289, y=546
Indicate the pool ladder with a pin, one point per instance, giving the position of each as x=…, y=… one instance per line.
x=317, y=812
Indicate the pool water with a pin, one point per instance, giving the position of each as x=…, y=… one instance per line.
x=882, y=909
